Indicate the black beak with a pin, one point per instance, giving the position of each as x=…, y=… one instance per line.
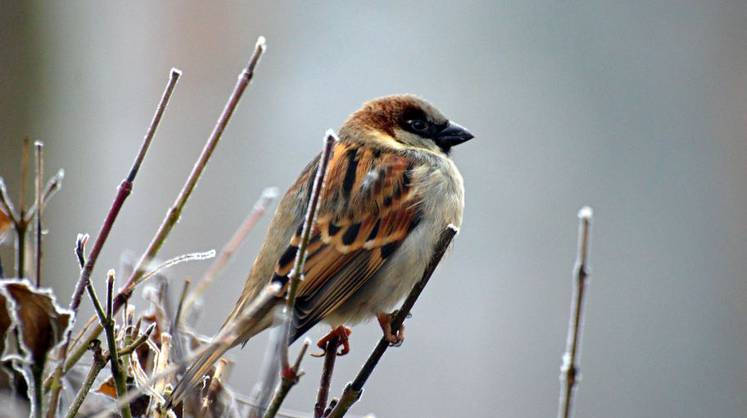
x=453, y=134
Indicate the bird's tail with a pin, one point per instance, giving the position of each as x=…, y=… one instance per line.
x=201, y=367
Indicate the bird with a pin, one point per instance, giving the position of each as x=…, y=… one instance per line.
x=391, y=188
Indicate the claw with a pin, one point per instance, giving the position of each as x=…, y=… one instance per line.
x=337, y=337
x=394, y=339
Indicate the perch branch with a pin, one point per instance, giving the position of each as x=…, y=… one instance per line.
x=569, y=371
x=330, y=355
x=353, y=390
x=123, y=191
x=174, y=212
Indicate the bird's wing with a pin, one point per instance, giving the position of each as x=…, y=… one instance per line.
x=367, y=209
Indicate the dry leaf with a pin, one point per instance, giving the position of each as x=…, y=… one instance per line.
x=41, y=322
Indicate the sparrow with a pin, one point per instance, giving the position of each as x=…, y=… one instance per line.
x=391, y=188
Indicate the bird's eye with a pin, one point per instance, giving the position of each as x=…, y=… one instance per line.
x=418, y=125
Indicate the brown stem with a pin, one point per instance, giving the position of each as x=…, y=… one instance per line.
x=289, y=378
x=330, y=355
x=569, y=369
x=123, y=191
x=353, y=390
x=174, y=212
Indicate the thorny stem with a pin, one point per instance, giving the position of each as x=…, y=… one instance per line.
x=99, y=361
x=569, y=370
x=174, y=212
x=330, y=355
x=39, y=175
x=120, y=379
x=289, y=378
x=353, y=390
x=123, y=191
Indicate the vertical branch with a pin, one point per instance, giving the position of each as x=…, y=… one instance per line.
x=174, y=212
x=330, y=355
x=297, y=272
x=123, y=191
x=353, y=390
x=120, y=379
x=290, y=377
x=21, y=226
x=39, y=175
x=291, y=374
x=569, y=371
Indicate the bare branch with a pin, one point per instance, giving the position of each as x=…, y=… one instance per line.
x=353, y=390
x=99, y=361
x=120, y=379
x=330, y=355
x=123, y=191
x=569, y=370
x=289, y=378
x=174, y=212
x=39, y=175
x=54, y=184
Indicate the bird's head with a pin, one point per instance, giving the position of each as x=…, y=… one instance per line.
x=404, y=121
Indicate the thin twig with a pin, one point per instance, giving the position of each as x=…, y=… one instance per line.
x=161, y=363
x=174, y=212
x=569, y=371
x=290, y=375
x=297, y=272
x=22, y=226
x=123, y=191
x=39, y=175
x=180, y=307
x=99, y=361
x=216, y=381
x=289, y=378
x=269, y=297
x=228, y=250
x=330, y=355
x=54, y=184
x=353, y=390
x=120, y=379
x=7, y=203
x=137, y=342
x=54, y=379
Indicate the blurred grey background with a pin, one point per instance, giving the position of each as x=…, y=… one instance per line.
x=636, y=108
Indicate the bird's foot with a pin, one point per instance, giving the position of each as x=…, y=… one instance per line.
x=337, y=337
x=395, y=339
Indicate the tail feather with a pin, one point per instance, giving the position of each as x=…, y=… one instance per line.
x=200, y=367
